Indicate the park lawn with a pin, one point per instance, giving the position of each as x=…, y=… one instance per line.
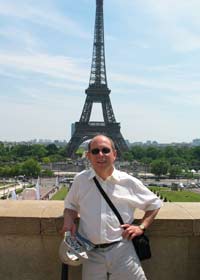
x=164, y=192
x=177, y=196
x=181, y=196
x=60, y=195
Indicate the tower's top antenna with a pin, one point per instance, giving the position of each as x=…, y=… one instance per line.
x=98, y=68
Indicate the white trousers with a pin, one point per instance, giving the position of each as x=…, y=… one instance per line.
x=117, y=262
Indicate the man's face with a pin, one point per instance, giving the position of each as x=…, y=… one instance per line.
x=102, y=155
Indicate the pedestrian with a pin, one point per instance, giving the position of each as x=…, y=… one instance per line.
x=114, y=256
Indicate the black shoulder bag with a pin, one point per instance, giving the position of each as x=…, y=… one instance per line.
x=141, y=242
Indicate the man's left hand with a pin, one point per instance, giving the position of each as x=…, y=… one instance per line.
x=130, y=231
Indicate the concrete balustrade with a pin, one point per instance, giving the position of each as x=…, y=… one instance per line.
x=29, y=241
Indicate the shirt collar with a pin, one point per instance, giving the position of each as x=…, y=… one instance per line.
x=92, y=173
x=114, y=176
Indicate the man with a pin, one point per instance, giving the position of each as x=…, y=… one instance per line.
x=114, y=256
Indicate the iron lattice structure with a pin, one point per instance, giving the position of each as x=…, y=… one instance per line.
x=97, y=92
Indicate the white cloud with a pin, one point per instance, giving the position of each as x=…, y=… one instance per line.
x=164, y=83
x=53, y=66
x=43, y=15
x=171, y=23
x=23, y=40
x=178, y=21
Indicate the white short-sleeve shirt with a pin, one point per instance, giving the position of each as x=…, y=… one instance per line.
x=98, y=223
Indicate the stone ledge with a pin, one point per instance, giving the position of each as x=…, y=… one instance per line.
x=30, y=217
x=31, y=208
x=176, y=219
x=45, y=218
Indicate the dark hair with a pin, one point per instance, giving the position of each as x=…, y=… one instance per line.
x=111, y=141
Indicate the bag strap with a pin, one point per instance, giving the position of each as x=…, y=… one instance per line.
x=108, y=200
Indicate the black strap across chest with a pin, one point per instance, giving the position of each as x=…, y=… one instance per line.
x=108, y=200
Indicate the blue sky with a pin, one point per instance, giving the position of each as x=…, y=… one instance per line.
x=152, y=61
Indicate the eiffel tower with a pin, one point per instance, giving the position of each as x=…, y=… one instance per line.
x=97, y=92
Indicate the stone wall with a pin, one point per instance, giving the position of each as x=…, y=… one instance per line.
x=29, y=241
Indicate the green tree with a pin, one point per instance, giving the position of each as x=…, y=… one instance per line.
x=31, y=168
x=196, y=153
x=63, y=151
x=80, y=152
x=38, y=151
x=137, y=152
x=55, y=158
x=5, y=171
x=2, y=149
x=52, y=149
x=127, y=156
x=153, y=152
x=170, y=152
x=16, y=169
x=47, y=172
x=174, y=171
x=46, y=160
x=20, y=151
x=159, y=167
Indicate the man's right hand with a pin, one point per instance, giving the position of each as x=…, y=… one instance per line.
x=69, y=224
x=72, y=229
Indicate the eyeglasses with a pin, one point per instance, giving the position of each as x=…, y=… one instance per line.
x=104, y=150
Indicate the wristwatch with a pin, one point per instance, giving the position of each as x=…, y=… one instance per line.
x=142, y=227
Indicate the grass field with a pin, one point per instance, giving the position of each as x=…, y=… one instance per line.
x=165, y=193
x=60, y=195
x=176, y=196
